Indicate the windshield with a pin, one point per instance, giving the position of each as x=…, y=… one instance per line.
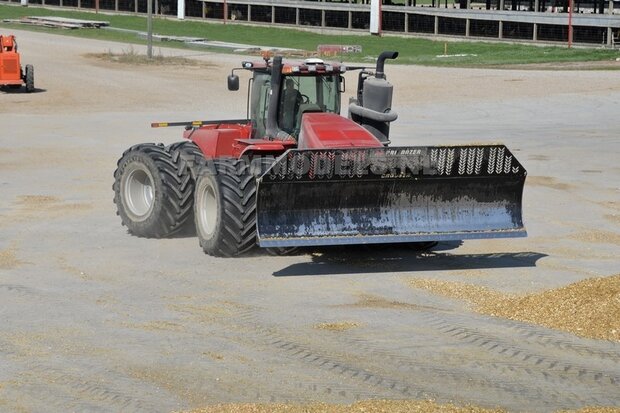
x=307, y=94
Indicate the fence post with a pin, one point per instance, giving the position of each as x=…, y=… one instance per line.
x=180, y=9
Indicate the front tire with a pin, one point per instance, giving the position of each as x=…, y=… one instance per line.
x=225, y=207
x=152, y=195
x=29, y=78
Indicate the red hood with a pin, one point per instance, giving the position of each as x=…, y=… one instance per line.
x=329, y=130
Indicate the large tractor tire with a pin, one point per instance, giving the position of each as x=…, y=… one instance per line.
x=153, y=196
x=225, y=207
x=188, y=156
x=29, y=78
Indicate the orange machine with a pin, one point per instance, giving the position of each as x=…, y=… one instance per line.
x=11, y=72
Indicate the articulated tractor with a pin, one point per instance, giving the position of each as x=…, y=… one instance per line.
x=295, y=172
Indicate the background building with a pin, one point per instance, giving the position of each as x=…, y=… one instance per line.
x=594, y=22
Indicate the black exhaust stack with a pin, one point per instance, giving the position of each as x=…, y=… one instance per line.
x=380, y=74
x=276, y=83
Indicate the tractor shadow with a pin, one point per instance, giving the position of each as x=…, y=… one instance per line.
x=401, y=258
x=20, y=90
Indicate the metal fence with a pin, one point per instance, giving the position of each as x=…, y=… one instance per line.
x=594, y=22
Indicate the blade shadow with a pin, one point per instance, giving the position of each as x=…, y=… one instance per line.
x=365, y=260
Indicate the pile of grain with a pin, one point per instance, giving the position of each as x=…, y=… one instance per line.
x=589, y=308
x=373, y=406
x=340, y=326
x=8, y=259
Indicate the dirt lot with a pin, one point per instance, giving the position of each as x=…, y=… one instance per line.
x=96, y=320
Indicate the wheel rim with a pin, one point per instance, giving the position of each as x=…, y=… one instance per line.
x=139, y=192
x=206, y=203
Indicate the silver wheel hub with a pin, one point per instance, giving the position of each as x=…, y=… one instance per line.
x=206, y=214
x=139, y=192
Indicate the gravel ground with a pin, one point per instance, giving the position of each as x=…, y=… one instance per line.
x=96, y=320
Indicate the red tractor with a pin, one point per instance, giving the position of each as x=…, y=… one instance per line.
x=11, y=72
x=296, y=173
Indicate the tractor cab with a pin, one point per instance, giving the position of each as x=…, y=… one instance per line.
x=8, y=43
x=280, y=94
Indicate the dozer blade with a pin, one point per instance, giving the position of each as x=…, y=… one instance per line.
x=379, y=195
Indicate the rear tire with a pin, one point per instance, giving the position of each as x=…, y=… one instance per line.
x=188, y=156
x=153, y=196
x=29, y=78
x=225, y=207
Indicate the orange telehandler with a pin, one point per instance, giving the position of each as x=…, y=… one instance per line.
x=11, y=72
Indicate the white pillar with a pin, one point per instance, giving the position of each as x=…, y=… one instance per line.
x=180, y=9
x=375, y=16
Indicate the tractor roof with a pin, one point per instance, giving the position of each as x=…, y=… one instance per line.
x=308, y=66
x=7, y=41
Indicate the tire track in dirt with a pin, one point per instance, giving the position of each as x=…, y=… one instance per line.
x=54, y=390
x=41, y=384
x=17, y=289
x=438, y=383
x=533, y=335
x=525, y=360
x=519, y=359
x=248, y=331
x=539, y=381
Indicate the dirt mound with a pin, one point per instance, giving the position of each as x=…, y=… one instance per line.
x=132, y=57
x=589, y=308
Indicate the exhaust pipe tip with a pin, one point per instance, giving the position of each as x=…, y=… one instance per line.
x=380, y=74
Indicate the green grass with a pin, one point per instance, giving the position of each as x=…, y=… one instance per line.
x=412, y=50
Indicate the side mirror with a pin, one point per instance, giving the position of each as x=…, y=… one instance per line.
x=233, y=82
x=342, y=84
